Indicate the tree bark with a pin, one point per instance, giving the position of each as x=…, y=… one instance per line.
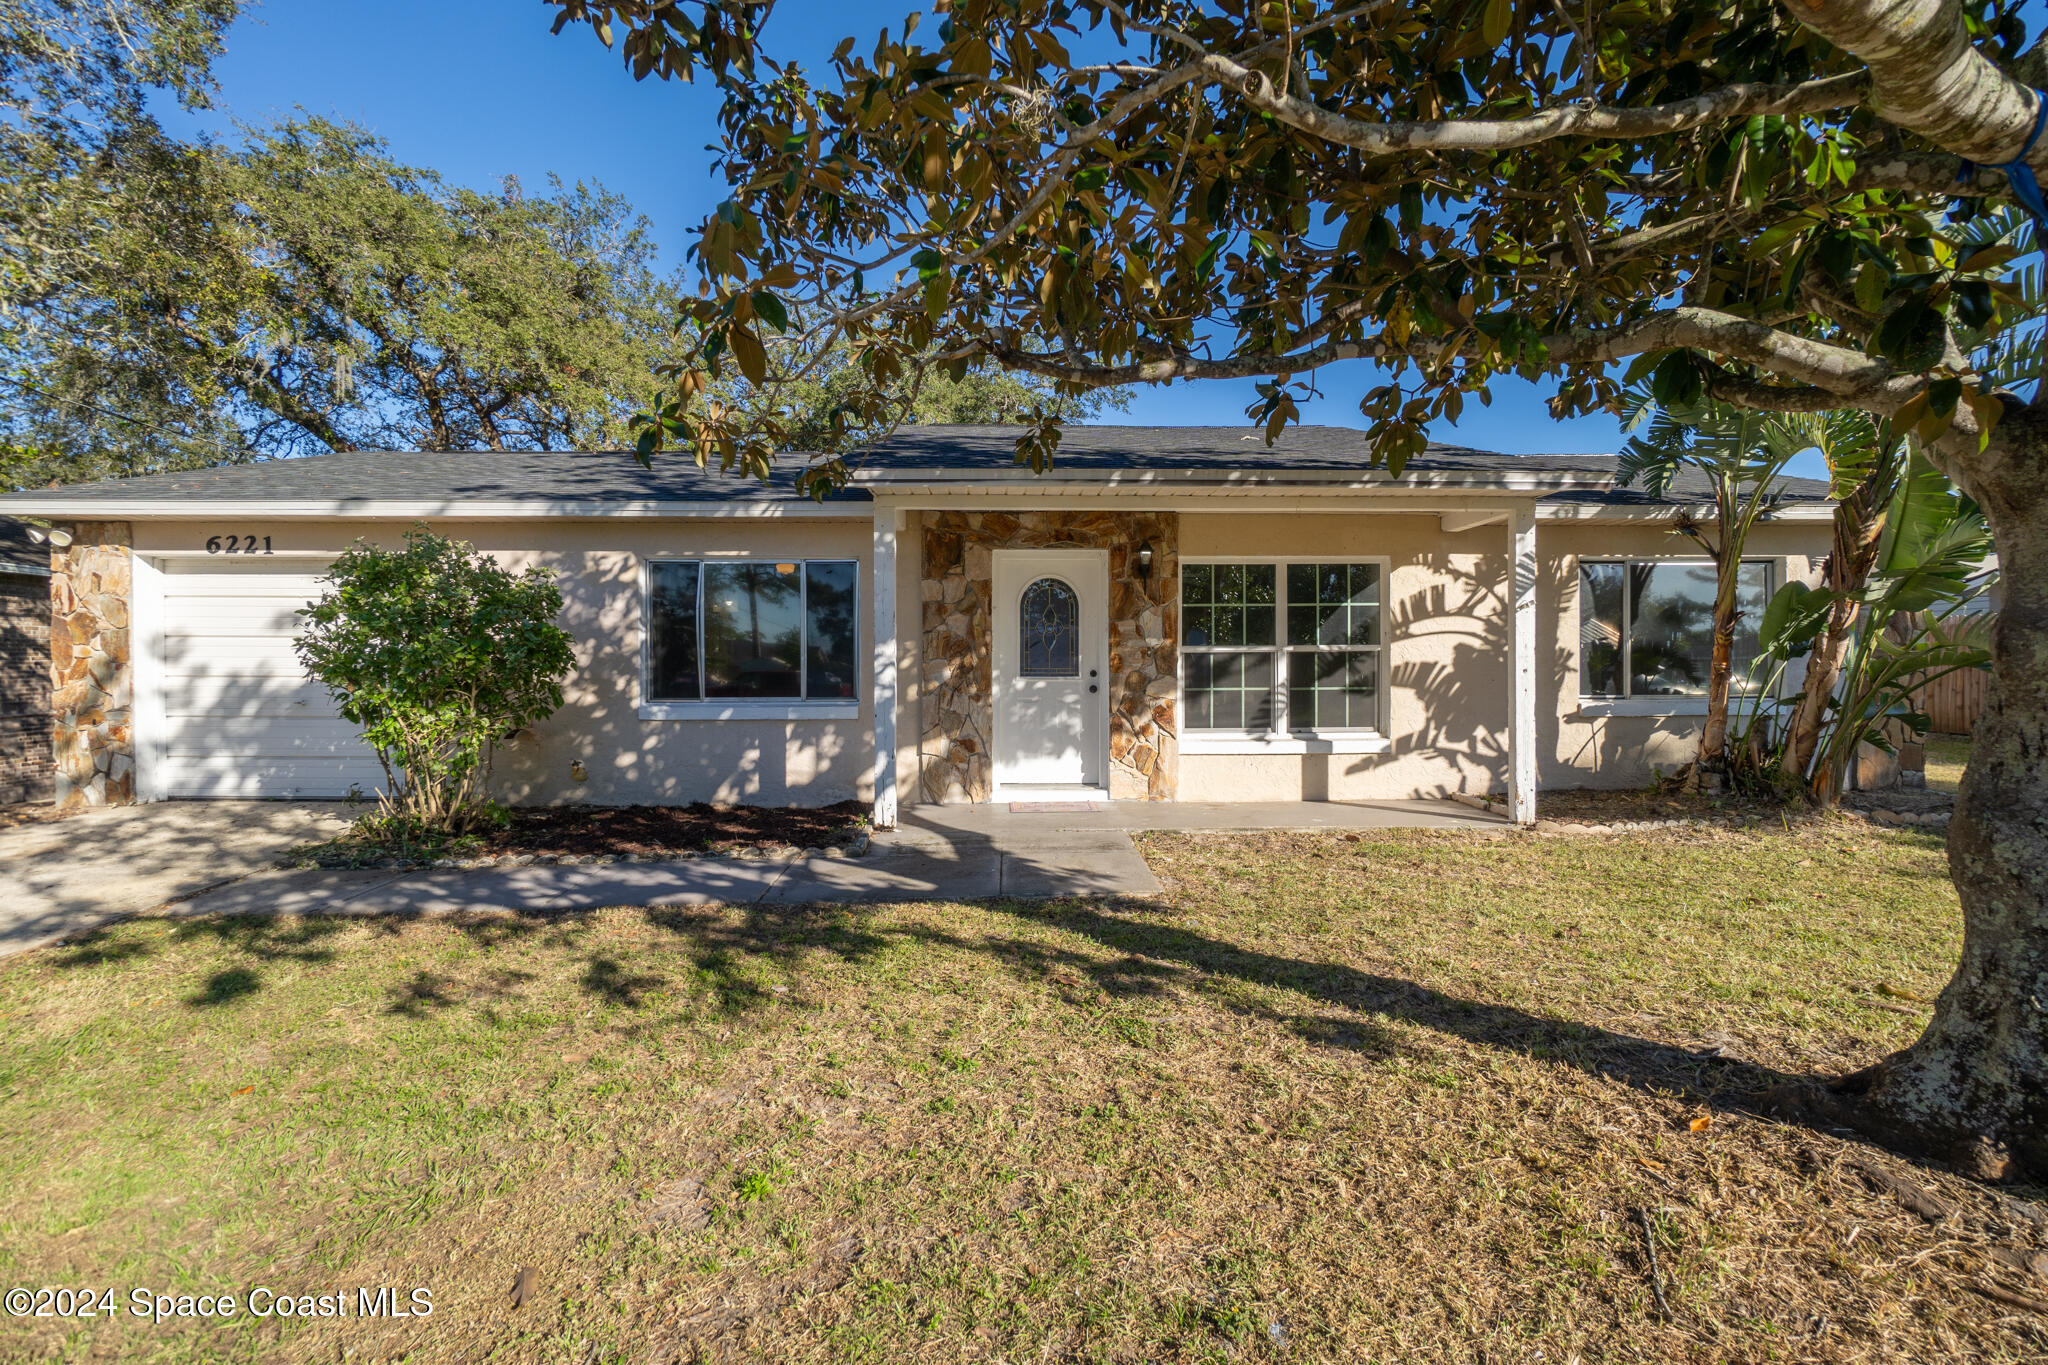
x=1974, y=1088
x=1858, y=527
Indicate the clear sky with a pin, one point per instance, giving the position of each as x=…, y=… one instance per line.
x=479, y=89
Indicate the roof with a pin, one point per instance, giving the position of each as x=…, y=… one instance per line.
x=19, y=554
x=597, y=483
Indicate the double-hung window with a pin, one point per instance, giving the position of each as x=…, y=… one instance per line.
x=1646, y=628
x=751, y=636
x=1282, y=650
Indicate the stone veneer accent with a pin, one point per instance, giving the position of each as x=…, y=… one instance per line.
x=90, y=592
x=956, y=718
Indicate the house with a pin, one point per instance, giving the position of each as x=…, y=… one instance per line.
x=26, y=772
x=1168, y=613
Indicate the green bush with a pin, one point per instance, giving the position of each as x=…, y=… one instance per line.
x=439, y=654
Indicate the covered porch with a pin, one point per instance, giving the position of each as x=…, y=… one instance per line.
x=1029, y=655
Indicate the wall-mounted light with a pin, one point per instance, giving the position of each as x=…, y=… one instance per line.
x=1145, y=560
x=49, y=535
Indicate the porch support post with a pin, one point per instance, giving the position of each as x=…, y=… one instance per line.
x=1522, y=664
x=884, y=728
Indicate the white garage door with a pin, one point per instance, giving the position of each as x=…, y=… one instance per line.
x=241, y=718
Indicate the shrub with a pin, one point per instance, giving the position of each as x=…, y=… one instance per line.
x=439, y=654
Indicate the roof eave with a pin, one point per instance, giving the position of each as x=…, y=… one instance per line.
x=55, y=504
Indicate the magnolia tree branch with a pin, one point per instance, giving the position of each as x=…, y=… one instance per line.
x=1926, y=75
x=1571, y=120
x=1824, y=376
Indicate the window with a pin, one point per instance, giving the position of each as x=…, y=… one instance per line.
x=1049, y=630
x=736, y=630
x=1280, y=648
x=1646, y=629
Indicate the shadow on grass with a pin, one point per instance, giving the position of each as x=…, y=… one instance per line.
x=738, y=953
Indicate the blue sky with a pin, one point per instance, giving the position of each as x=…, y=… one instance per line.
x=478, y=89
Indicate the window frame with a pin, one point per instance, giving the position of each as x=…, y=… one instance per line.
x=748, y=708
x=1284, y=737
x=1627, y=703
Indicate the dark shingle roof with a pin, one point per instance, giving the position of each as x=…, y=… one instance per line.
x=436, y=476
x=17, y=549
x=604, y=477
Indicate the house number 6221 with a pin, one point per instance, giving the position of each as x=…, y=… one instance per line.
x=238, y=545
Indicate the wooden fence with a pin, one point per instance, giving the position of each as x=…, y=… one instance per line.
x=1952, y=702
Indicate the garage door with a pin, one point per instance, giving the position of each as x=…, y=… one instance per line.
x=241, y=718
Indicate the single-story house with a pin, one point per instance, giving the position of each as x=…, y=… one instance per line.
x=1169, y=612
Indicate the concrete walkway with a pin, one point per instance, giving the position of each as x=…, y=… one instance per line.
x=1022, y=851
x=62, y=876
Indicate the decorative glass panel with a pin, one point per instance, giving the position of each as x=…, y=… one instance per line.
x=1600, y=594
x=753, y=630
x=1333, y=604
x=672, y=632
x=830, y=613
x=1671, y=637
x=1229, y=691
x=1049, y=630
x=1332, y=690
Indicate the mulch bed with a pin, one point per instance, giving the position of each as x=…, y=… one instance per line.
x=617, y=833
x=644, y=830
x=28, y=813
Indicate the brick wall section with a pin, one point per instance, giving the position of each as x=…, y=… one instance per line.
x=26, y=767
x=956, y=717
x=90, y=669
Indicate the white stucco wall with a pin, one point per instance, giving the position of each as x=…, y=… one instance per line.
x=627, y=760
x=1445, y=662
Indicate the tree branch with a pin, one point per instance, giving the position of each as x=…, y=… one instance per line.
x=1573, y=120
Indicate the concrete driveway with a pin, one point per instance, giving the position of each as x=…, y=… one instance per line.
x=63, y=876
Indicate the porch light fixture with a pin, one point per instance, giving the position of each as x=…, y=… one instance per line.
x=1145, y=560
x=50, y=535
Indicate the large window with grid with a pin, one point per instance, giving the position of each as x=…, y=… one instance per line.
x=723, y=629
x=1281, y=647
x=1646, y=627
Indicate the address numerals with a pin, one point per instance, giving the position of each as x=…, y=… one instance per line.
x=238, y=545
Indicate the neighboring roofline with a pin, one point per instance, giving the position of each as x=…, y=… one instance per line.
x=55, y=504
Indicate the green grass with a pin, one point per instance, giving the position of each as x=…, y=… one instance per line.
x=1946, y=755
x=1393, y=1098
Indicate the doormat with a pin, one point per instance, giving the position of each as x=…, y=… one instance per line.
x=1022, y=807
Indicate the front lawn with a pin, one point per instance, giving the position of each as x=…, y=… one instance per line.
x=1408, y=1096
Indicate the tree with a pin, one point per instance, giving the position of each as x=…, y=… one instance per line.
x=1917, y=563
x=1738, y=199
x=75, y=137
x=308, y=293
x=439, y=654
x=1741, y=454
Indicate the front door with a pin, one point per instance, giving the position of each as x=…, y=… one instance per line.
x=1051, y=657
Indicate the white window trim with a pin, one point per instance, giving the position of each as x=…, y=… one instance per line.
x=1592, y=704
x=743, y=708
x=1282, y=738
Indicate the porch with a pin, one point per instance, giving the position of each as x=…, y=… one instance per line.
x=1028, y=656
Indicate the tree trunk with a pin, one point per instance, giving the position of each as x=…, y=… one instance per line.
x=1974, y=1088
x=1859, y=525
x=1823, y=667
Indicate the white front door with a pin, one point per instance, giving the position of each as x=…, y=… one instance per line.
x=1051, y=625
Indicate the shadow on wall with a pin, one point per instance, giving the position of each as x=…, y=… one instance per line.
x=596, y=750
x=1450, y=685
